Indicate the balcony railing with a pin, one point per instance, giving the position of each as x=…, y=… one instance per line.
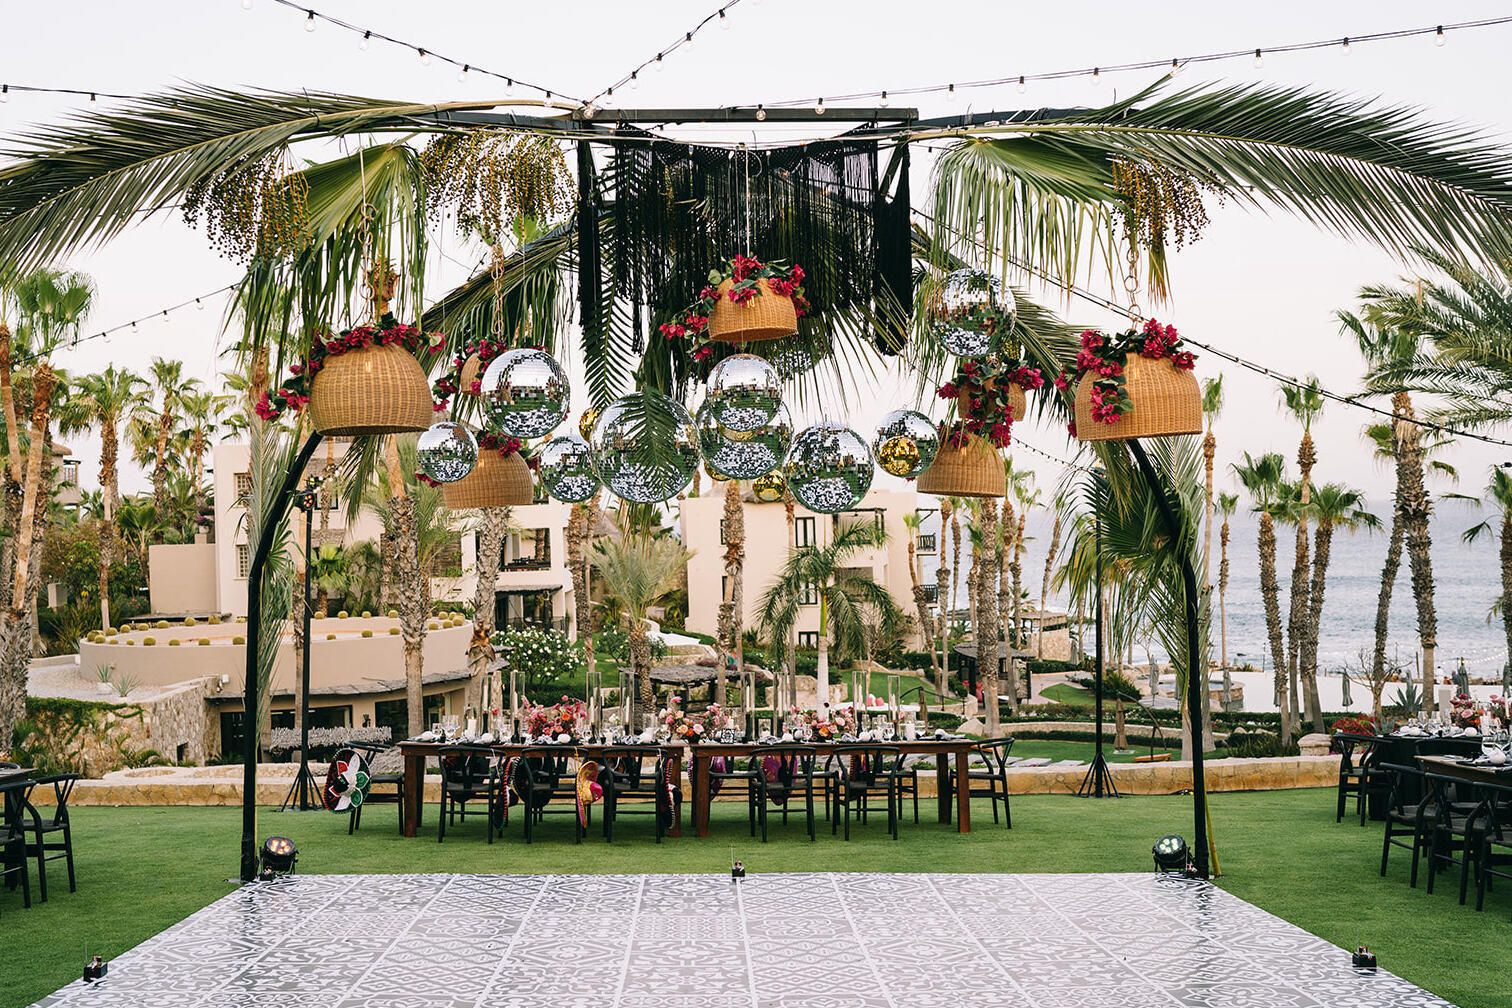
x=527, y=564
x=927, y=543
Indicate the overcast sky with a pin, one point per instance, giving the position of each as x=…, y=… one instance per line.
x=1264, y=287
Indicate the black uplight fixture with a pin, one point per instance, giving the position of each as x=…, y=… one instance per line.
x=278, y=857
x=1172, y=854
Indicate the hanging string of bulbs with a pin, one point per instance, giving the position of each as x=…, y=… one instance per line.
x=366, y=36
x=198, y=303
x=720, y=15
x=1173, y=65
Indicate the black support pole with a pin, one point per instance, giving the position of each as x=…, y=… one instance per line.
x=1099, y=780
x=1171, y=510
x=278, y=513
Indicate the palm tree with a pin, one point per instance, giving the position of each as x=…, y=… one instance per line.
x=102, y=401
x=1304, y=402
x=847, y=597
x=1391, y=354
x=637, y=569
x=159, y=417
x=1262, y=477
x=327, y=567
x=733, y=597
x=1058, y=506
x=911, y=522
x=1336, y=507
x=987, y=622
x=200, y=416
x=1227, y=505
x=1212, y=405
x=1499, y=492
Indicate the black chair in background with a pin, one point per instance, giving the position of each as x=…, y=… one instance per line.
x=468, y=774
x=1495, y=842
x=777, y=777
x=731, y=773
x=632, y=779
x=14, y=796
x=995, y=778
x=1359, y=777
x=48, y=837
x=864, y=773
x=385, y=782
x=538, y=776
x=1409, y=813
x=1452, y=824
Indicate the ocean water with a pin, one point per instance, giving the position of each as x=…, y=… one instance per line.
x=1467, y=581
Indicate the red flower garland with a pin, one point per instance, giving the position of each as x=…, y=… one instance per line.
x=491, y=441
x=985, y=384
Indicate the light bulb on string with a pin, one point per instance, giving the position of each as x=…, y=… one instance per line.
x=1175, y=67
x=199, y=305
x=246, y=4
x=724, y=22
x=819, y=107
x=133, y=327
x=425, y=58
x=462, y=74
x=687, y=39
x=508, y=86
x=1438, y=36
x=365, y=41
x=92, y=96
x=310, y=21
x=1259, y=59
x=588, y=110
x=883, y=100
x=1346, y=44
x=950, y=93
x=1022, y=87
x=4, y=93
x=760, y=114
x=634, y=81
x=1096, y=75
x=658, y=62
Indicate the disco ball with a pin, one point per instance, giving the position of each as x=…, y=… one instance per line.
x=447, y=452
x=829, y=468
x=906, y=443
x=567, y=469
x=971, y=314
x=743, y=454
x=525, y=393
x=744, y=392
x=634, y=463
x=769, y=489
x=586, y=422
x=714, y=475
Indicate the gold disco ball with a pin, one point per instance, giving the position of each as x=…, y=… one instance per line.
x=898, y=456
x=769, y=488
x=586, y=422
x=709, y=471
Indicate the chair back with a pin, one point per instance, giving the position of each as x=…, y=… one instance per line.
x=865, y=764
x=62, y=785
x=632, y=767
x=15, y=798
x=1399, y=775
x=547, y=765
x=996, y=751
x=467, y=768
x=784, y=766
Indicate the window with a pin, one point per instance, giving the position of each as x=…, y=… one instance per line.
x=722, y=533
x=808, y=639
x=724, y=588
x=810, y=594
x=243, y=560
x=926, y=542
x=243, y=488
x=803, y=532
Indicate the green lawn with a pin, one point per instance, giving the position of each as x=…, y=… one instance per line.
x=1072, y=696
x=142, y=869
x=1054, y=749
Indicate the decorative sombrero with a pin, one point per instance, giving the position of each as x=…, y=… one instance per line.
x=588, y=790
x=346, y=783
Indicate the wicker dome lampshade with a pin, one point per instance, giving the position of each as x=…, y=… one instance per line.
x=1018, y=401
x=374, y=390
x=472, y=371
x=973, y=470
x=497, y=481
x=1166, y=400
x=766, y=316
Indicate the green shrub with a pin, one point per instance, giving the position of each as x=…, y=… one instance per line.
x=238, y=640
x=393, y=614
x=174, y=642
x=161, y=624
x=204, y=642
x=367, y=633
x=393, y=630
x=190, y=621
x=112, y=631
x=1253, y=744
x=241, y=619
x=342, y=614
x=433, y=626
x=366, y=614
x=129, y=642
x=541, y=657
x=330, y=636
x=214, y=619
x=149, y=641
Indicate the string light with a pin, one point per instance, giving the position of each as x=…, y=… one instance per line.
x=1346, y=44
x=310, y=21
x=883, y=100
x=1259, y=59
x=1096, y=76
x=462, y=74
x=719, y=14
x=1438, y=36
x=425, y=59
x=1438, y=32
x=819, y=108
x=246, y=4
x=658, y=62
x=4, y=92
x=1175, y=67
x=760, y=114
x=724, y=22
x=104, y=334
x=950, y=94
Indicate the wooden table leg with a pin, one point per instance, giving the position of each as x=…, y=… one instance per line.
x=676, y=830
x=942, y=786
x=963, y=790
x=701, y=797
x=414, y=791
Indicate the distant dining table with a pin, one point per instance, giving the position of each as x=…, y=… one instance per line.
x=951, y=782
x=1402, y=750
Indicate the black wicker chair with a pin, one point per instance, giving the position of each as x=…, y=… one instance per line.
x=1495, y=854
x=991, y=782
x=48, y=836
x=1452, y=824
x=539, y=774
x=385, y=787
x=13, y=802
x=1407, y=822
x=468, y=774
x=778, y=776
x=633, y=781
x=864, y=773
x=1360, y=777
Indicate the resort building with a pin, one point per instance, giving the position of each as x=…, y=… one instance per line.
x=766, y=538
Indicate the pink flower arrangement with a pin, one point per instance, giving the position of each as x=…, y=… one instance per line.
x=985, y=385
x=1104, y=358
x=692, y=727
x=562, y=718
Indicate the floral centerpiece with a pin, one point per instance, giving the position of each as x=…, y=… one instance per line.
x=686, y=727
x=1500, y=707
x=567, y=717
x=1106, y=359
x=294, y=392
x=845, y=720
x=1463, y=712
x=984, y=392
x=738, y=281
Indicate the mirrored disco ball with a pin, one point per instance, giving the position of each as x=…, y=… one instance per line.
x=829, y=468
x=447, y=452
x=744, y=392
x=525, y=393
x=746, y=454
x=567, y=469
x=639, y=462
x=906, y=443
x=769, y=489
x=958, y=308
x=714, y=475
x=586, y=421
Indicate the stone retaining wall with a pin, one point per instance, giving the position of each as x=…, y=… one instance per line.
x=222, y=785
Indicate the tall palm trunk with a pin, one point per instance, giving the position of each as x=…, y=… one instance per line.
x=640, y=661
x=327, y=484
x=1296, y=626
x=1209, y=452
x=1322, y=542
x=480, y=653
x=160, y=467
x=955, y=559
x=15, y=627
x=1055, y=534
x=1400, y=402
x=1268, y=591
x=789, y=504
x=1413, y=501
x=1506, y=576
x=986, y=620
x=1223, y=576
x=921, y=605
x=729, y=609
x=109, y=452
x=410, y=586
x=943, y=575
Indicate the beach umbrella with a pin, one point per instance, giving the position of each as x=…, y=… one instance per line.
x=1507, y=678
x=1462, y=678
x=1348, y=700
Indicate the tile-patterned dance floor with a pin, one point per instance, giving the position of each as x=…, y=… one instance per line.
x=784, y=941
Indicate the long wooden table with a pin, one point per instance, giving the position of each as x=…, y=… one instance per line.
x=700, y=756
x=1461, y=771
